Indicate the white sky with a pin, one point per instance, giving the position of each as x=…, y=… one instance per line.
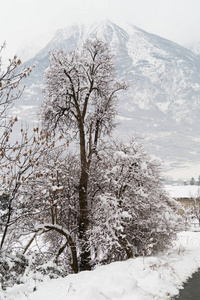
x=26, y=20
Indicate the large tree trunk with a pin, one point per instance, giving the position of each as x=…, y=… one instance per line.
x=83, y=203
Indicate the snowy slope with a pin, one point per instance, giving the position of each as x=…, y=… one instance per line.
x=163, y=100
x=143, y=278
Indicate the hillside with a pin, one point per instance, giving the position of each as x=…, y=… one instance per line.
x=162, y=102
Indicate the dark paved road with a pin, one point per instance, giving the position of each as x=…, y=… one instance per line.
x=191, y=289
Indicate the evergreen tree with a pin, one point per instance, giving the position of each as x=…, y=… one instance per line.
x=192, y=181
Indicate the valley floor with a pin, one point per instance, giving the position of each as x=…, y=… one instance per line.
x=144, y=278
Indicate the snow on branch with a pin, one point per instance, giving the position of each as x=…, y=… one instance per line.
x=55, y=227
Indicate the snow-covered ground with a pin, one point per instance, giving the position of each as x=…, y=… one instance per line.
x=143, y=278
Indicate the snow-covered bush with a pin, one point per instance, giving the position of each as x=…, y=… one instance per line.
x=131, y=213
x=12, y=269
x=17, y=268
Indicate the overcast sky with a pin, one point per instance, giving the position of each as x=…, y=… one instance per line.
x=26, y=20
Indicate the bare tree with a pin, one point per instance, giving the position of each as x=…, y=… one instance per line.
x=17, y=163
x=80, y=100
x=18, y=156
x=10, y=160
x=10, y=78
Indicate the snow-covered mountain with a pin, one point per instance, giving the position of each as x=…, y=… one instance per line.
x=162, y=103
x=193, y=46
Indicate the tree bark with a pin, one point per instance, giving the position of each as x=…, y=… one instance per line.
x=83, y=203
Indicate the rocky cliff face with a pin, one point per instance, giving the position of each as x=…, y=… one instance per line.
x=162, y=103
